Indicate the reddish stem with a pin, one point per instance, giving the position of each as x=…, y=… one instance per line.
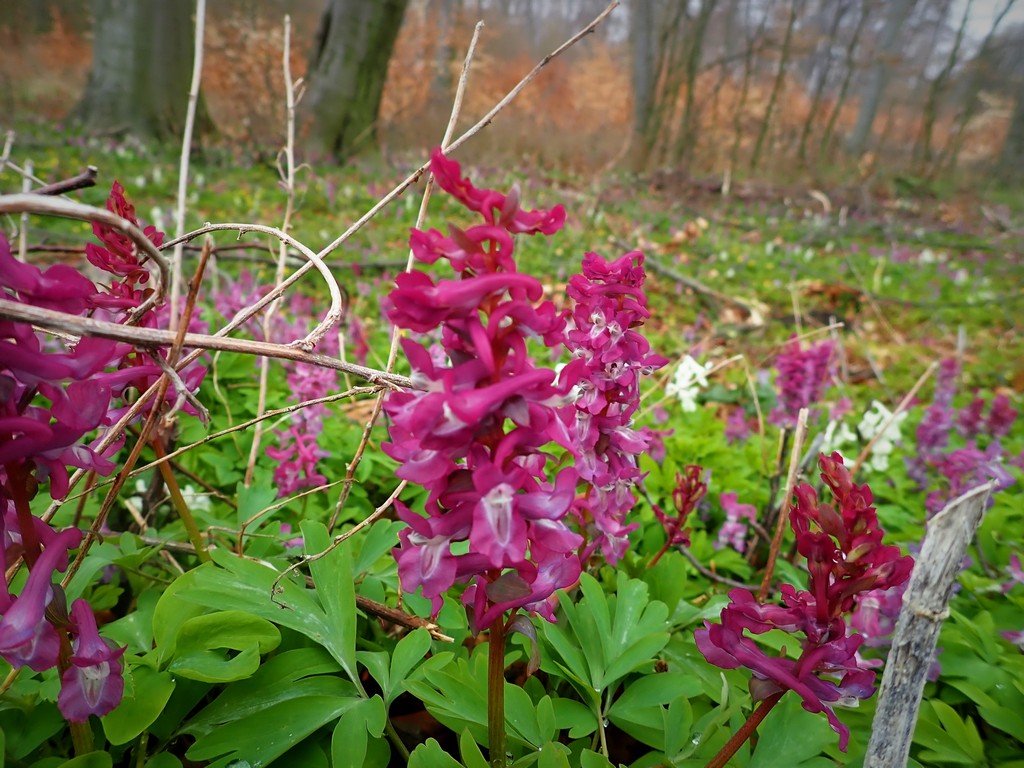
x=18, y=477
x=661, y=552
x=745, y=732
x=496, y=694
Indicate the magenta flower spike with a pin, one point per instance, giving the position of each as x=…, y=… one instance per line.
x=847, y=563
x=477, y=436
x=802, y=375
x=93, y=682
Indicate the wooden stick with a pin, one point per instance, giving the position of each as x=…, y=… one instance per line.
x=186, y=153
x=86, y=178
x=925, y=607
x=783, y=518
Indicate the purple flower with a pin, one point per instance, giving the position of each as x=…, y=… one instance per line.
x=733, y=532
x=92, y=684
x=476, y=435
x=610, y=355
x=736, y=426
x=26, y=638
x=845, y=559
x=802, y=374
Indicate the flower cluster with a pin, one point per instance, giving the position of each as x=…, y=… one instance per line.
x=838, y=435
x=610, y=358
x=802, y=374
x=948, y=472
x=687, y=382
x=474, y=437
x=51, y=399
x=733, y=532
x=846, y=559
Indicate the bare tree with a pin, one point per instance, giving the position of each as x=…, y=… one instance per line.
x=850, y=59
x=821, y=76
x=929, y=114
x=347, y=70
x=141, y=67
x=780, y=75
x=878, y=76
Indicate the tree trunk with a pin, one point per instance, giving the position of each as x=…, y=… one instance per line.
x=695, y=50
x=878, y=77
x=141, y=68
x=923, y=150
x=645, y=74
x=780, y=75
x=1012, y=155
x=347, y=70
x=822, y=80
x=844, y=89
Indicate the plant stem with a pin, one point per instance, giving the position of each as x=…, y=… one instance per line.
x=496, y=694
x=659, y=554
x=18, y=477
x=178, y=500
x=745, y=731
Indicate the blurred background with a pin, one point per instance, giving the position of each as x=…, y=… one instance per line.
x=817, y=91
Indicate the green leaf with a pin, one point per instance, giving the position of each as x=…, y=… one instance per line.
x=286, y=676
x=409, y=652
x=472, y=757
x=252, y=500
x=589, y=759
x=269, y=733
x=149, y=692
x=430, y=755
x=575, y=717
x=91, y=760
x=163, y=760
x=335, y=589
x=203, y=641
x=553, y=756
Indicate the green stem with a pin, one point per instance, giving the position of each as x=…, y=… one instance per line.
x=178, y=500
x=496, y=694
x=745, y=732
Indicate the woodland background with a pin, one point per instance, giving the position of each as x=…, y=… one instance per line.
x=839, y=91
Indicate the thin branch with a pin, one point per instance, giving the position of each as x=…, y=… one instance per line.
x=186, y=152
x=334, y=313
x=364, y=440
x=68, y=209
x=288, y=177
x=155, y=337
x=83, y=180
x=794, y=465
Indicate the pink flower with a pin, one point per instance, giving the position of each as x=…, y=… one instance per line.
x=26, y=637
x=802, y=376
x=734, y=531
x=475, y=436
x=93, y=683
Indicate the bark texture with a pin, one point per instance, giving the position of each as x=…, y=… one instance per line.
x=347, y=70
x=925, y=607
x=141, y=69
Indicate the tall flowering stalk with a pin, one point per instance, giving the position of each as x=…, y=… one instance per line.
x=846, y=561
x=476, y=437
x=802, y=375
x=479, y=435
x=611, y=356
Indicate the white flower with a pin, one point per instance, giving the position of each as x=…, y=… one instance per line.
x=690, y=377
x=194, y=500
x=837, y=435
x=871, y=425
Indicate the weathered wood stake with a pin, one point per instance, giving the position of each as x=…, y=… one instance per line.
x=925, y=607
